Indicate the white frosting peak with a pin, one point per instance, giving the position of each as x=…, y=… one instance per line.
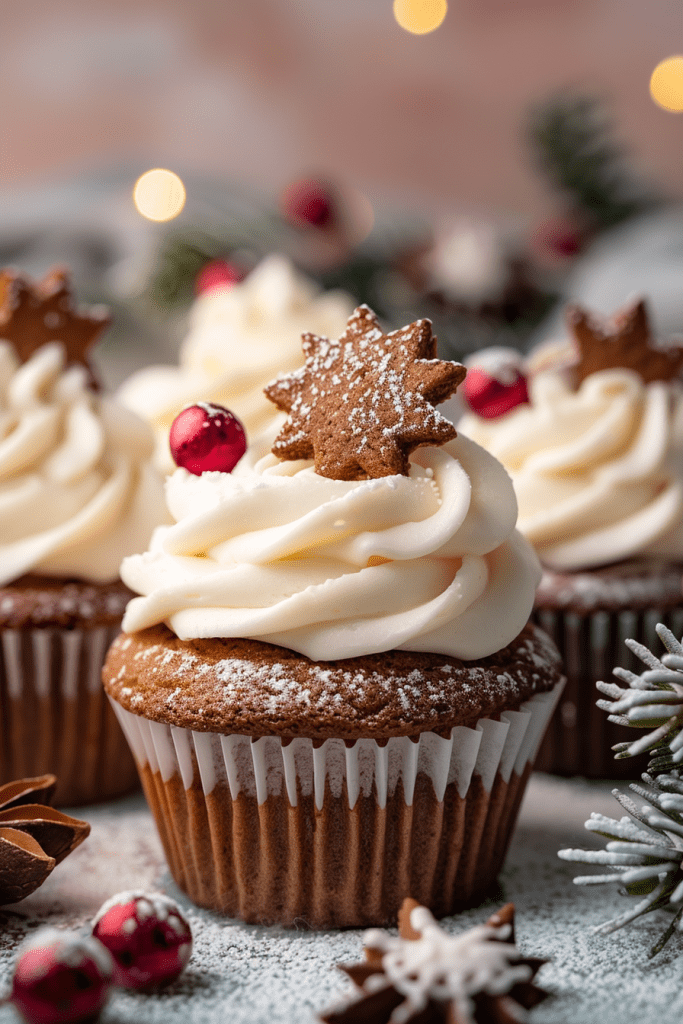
x=77, y=489
x=336, y=569
x=240, y=338
x=598, y=471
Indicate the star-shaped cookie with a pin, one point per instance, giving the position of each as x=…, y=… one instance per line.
x=361, y=404
x=34, y=313
x=624, y=342
x=426, y=976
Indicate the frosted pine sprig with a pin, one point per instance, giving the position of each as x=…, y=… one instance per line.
x=644, y=853
x=652, y=700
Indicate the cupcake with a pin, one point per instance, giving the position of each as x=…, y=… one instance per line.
x=593, y=441
x=77, y=493
x=240, y=337
x=328, y=680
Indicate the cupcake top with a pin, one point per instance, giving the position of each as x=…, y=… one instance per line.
x=77, y=489
x=240, y=337
x=358, y=536
x=595, y=446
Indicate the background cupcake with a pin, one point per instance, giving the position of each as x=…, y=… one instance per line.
x=240, y=337
x=593, y=441
x=77, y=493
x=329, y=684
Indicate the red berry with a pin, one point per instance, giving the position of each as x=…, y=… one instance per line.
x=148, y=937
x=560, y=238
x=308, y=201
x=490, y=397
x=207, y=438
x=217, y=274
x=61, y=978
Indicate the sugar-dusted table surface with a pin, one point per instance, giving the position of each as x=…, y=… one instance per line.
x=241, y=973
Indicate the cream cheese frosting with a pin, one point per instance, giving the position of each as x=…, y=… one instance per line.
x=77, y=488
x=336, y=569
x=240, y=338
x=598, y=471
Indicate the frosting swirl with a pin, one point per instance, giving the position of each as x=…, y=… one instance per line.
x=77, y=489
x=240, y=338
x=598, y=471
x=336, y=569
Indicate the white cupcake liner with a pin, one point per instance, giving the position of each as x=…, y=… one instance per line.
x=337, y=834
x=53, y=714
x=580, y=738
x=268, y=767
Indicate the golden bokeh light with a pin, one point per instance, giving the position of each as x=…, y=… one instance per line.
x=420, y=16
x=159, y=194
x=666, y=84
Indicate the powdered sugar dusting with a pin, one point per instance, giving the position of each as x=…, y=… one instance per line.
x=643, y=584
x=277, y=691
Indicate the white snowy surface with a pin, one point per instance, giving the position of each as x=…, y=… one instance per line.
x=249, y=975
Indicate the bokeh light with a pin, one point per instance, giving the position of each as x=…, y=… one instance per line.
x=420, y=16
x=666, y=84
x=159, y=194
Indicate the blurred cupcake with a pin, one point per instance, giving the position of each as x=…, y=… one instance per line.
x=77, y=493
x=593, y=441
x=240, y=337
x=329, y=683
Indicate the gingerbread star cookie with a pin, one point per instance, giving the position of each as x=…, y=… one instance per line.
x=625, y=342
x=34, y=313
x=361, y=404
x=430, y=977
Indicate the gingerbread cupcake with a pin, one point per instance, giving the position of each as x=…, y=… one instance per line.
x=77, y=493
x=328, y=681
x=591, y=432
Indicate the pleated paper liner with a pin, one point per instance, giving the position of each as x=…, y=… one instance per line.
x=55, y=717
x=337, y=834
x=580, y=738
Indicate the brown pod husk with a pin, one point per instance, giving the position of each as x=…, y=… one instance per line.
x=24, y=866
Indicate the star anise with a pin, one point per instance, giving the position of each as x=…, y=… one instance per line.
x=624, y=342
x=361, y=404
x=34, y=313
x=34, y=837
x=430, y=977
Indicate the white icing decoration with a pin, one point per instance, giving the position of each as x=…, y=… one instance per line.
x=597, y=470
x=335, y=569
x=77, y=488
x=447, y=968
x=240, y=338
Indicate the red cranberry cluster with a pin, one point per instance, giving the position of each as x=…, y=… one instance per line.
x=138, y=941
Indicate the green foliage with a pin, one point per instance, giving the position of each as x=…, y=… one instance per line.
x=573, y=139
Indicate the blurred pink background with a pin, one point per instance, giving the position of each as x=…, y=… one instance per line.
x=260, y=91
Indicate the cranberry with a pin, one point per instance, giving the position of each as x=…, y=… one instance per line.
x=490, y=397
x=205, y=438
x=61, y=978
x=147, y=936
x=308, y=201
x=217, y=274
